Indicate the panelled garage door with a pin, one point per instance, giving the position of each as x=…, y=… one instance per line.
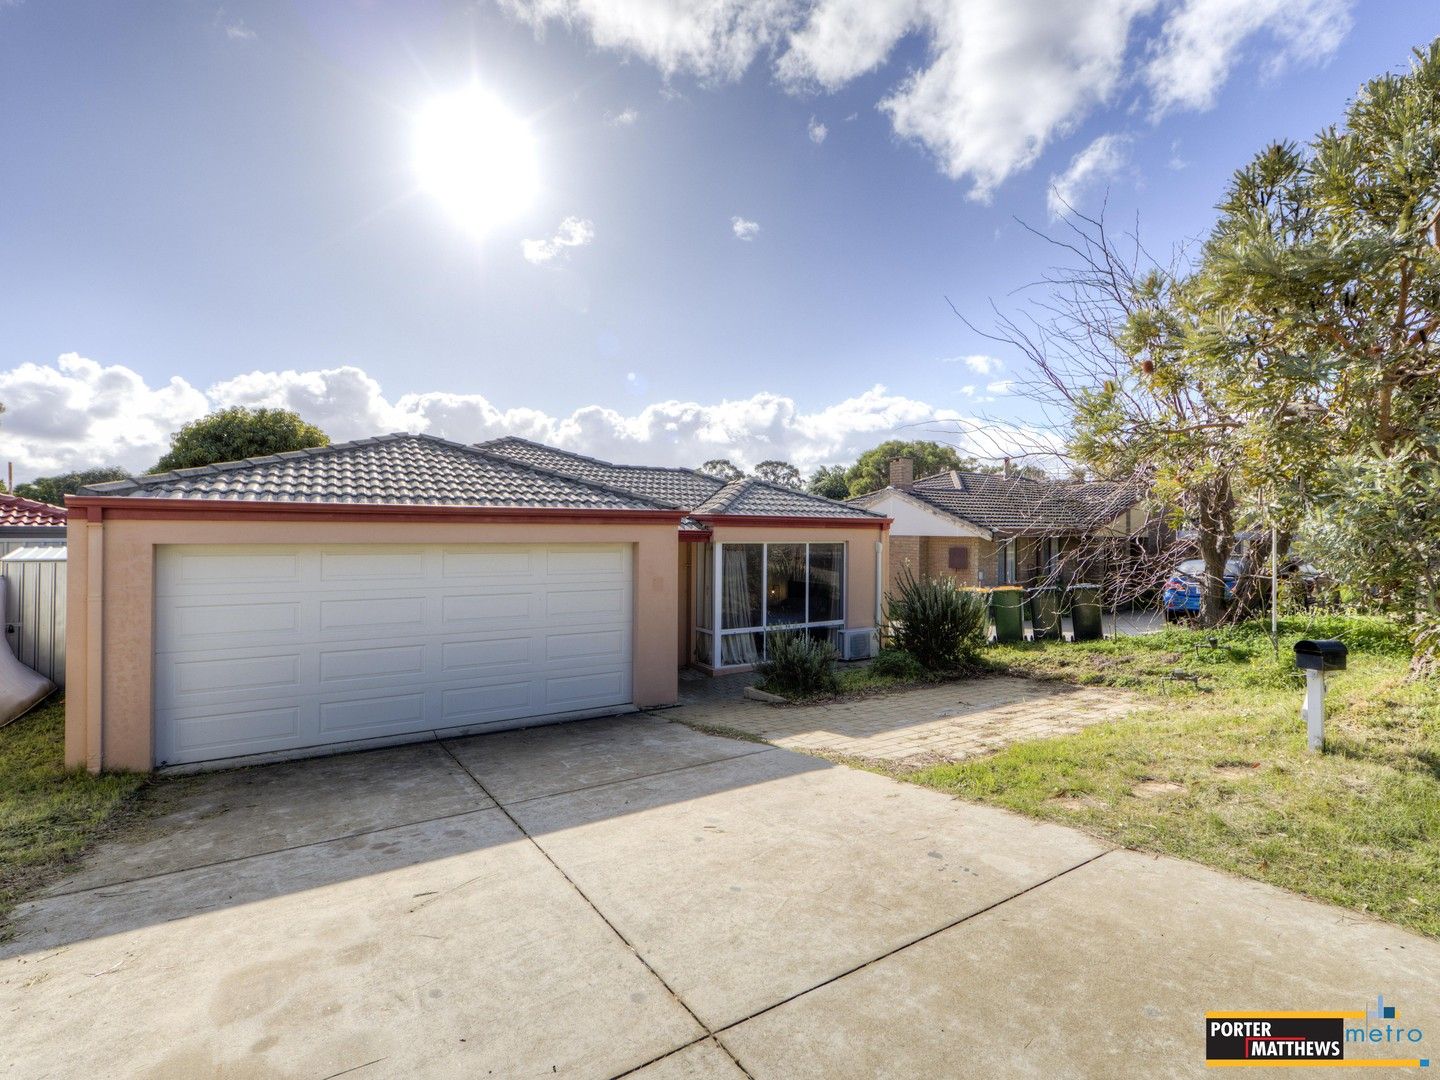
x=267, y=648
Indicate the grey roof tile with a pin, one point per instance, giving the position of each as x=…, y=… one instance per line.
x=1018, y=504
x=685, y=489
x=399, y=469
x=680, y=488
x=754, y=497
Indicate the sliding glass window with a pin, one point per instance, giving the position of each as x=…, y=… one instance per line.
x=760, y=588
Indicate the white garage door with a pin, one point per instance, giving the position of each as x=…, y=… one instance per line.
x=265, y=648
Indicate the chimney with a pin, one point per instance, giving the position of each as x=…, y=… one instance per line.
x=1009, y=469
x=902, y=473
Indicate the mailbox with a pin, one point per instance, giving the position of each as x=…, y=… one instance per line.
x=1323, y=655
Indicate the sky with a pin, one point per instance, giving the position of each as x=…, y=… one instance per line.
x=703, y=228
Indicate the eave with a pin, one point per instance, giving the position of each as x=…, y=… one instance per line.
x=98, y=508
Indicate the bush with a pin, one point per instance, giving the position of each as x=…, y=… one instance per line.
x=896, y=664
x=939, y=625
x=797, y=665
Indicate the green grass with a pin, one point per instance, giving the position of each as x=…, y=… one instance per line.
x=1357, y=826
x=48, y=814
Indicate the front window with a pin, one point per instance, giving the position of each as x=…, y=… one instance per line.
x=757, y=588
x=1008, y=570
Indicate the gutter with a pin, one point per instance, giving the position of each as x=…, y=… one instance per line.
x=870, y=521
x=99, y=508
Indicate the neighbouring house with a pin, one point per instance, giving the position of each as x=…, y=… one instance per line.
x=986, y=529
x=392, y=588
x=27, y=523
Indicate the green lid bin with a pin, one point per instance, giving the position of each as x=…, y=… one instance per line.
x=1007, y=609
x=1045, y=614
x=1085, y=612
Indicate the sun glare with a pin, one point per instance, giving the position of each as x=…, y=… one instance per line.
x=475, y=158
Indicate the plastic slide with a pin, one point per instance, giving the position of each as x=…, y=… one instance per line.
x=21, y=688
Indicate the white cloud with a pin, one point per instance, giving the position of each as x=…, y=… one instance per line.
x=573, y=232
x=1102, y=160
x=238, y=31
x=1000, y=79
x=624, y=118
x=979, y=363
x=817, y=131
x=743, y=229
x=1007, y=77
x=999, y=386
x=1176, y=162
x=1202, y=40
x=76, y=413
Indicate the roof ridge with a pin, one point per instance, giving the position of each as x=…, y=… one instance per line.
x=10, y=497
x=773, y=486
x=150, y=479
x=600, y=461
x=155, y=479
x=734, y=489
x=490, y=455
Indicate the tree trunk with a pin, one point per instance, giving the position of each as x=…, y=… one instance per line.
x=1213, y=550
x=1253, y=585
x=1215, y=529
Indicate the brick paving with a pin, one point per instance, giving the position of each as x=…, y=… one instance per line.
x=911, y=728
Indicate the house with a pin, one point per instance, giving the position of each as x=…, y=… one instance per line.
x=27, y=523
x=387, y=589
x=986, y=529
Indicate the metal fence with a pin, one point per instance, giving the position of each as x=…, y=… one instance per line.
x=34, y=584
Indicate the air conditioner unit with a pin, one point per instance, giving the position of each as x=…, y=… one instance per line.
x=858, y=644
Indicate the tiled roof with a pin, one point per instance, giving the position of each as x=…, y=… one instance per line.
x=753, y=497
x=1018, y=504
x=399, y=469
x=684, y=489
x=18, y=513
x=680, y=488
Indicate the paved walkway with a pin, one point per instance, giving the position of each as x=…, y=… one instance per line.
x=912, y=728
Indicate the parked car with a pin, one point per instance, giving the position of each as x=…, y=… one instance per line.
x=1181, y=595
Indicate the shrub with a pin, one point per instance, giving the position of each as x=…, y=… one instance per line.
x=797, y=665
x=939, y=625
x=896, y=664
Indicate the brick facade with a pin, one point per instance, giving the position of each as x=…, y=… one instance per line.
x=905, y=553
x=937, y=558
x=929, y=557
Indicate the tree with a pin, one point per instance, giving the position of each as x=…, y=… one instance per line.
x=871, y=471
x=236, y=433
x=53, y=489
x=721, y=469
x=1326, y=266
x=779, y=472
x=829, y=481
x=1114, y=347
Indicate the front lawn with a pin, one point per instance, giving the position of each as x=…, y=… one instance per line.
x=48, y=814
x=1214, y=767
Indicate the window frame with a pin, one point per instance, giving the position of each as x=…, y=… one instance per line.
x=716, y=553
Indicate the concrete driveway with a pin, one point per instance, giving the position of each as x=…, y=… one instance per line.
x=631, y=897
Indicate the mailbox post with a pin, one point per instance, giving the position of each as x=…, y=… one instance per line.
x=1315, y=658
